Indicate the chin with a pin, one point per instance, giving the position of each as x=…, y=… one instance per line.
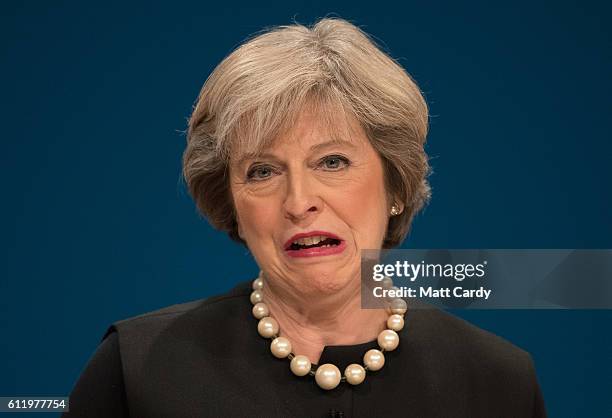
x=325, y=280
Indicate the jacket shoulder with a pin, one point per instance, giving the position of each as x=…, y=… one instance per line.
x=453, y=335
x=454, y=347
x=156, y=321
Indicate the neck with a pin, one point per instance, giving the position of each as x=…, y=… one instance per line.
x=312, y=322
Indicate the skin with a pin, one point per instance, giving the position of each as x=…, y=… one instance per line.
x=306, y=182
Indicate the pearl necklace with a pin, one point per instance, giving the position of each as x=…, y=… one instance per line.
x=327, y=375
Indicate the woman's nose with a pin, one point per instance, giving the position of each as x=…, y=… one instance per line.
x=301, y=199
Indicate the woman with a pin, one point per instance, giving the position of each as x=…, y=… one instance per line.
x=306, y=145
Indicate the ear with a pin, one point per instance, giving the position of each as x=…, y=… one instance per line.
x=394, y=200
x=238, y=227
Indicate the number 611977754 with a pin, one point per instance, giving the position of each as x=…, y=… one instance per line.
x=8, y=404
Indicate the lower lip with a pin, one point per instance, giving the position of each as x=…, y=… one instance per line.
x=317, y=251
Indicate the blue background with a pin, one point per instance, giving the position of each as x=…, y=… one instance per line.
x=96, y=224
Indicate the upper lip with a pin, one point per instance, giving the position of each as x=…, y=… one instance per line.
x=310, y=234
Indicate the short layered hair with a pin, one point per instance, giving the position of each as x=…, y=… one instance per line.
x=257, y=93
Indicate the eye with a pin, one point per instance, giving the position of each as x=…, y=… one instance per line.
x=334, y=162
x=260, y=172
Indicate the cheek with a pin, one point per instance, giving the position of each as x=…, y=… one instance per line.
x=256, y=217
x=364, y=205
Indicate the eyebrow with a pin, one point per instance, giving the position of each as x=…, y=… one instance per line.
x=314, y=148
x=333, y=142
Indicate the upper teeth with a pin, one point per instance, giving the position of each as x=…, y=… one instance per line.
x=310, y=240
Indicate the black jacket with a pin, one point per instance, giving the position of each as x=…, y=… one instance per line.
x=206, y=359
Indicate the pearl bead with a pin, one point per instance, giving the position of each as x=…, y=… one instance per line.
x=260, y=310
x=258, y=284
x=300, y=365
x=267, y=327
x=395, y=322
x=374, y=359
x=399, y=306
x=280, y=347
x=355, y=374
x=327, y=376
x=388, y=340
x=387, y=282
x=256, y=296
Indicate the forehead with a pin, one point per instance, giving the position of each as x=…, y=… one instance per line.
x=312, y=128
x=309, y=127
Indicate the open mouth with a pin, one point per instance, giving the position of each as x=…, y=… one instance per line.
x=315, y=243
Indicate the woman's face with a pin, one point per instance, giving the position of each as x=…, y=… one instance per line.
x=307, y=206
